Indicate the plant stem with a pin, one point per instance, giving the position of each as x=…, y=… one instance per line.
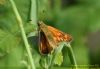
x=46, y=64
x=20, y=23
x=33, y=13
x=71, y=55
x=52, y=60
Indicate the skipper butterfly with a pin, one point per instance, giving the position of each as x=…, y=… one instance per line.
x=49, y=37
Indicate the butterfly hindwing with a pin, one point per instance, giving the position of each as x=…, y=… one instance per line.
x=44, y=46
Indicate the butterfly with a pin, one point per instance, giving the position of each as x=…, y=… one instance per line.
x=49, y=37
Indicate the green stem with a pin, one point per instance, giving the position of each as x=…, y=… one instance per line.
x=71, y=55
x=33, y=12
x=20, y=23
x=46, y=64
x=52, y=60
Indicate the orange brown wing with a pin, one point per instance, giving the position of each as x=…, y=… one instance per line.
x=59, y=36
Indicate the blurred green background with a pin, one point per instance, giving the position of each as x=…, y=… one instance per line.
x=79, y=18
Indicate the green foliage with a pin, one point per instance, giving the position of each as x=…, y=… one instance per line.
x=10, y=38
x=78, y=20
x=8, y=41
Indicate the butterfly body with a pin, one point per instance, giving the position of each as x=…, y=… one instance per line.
x=49, y=38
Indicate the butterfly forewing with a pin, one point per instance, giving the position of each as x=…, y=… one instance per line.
x=59, y=36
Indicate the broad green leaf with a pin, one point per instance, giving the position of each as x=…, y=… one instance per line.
x=8, y=41
x=14, y=59
x=58, y=59
x=10, y=35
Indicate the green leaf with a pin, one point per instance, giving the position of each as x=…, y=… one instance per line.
x=10, y=35
x=58, y=59
x=14, y=59
x=8, y=41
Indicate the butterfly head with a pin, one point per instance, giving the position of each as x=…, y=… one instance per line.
x=42, y=25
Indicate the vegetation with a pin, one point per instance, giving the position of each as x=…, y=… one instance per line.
x=18, y=25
